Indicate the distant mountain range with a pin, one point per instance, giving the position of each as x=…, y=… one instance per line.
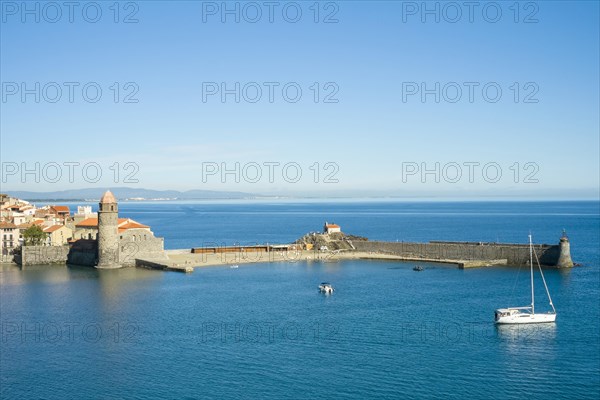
x=125, y=193
x=135, y=194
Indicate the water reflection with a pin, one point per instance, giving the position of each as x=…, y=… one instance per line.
x=14, y=275
x=513, y=336
x=112, y=285
x=109, y=287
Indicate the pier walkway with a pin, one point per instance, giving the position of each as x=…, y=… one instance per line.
x=186, y=261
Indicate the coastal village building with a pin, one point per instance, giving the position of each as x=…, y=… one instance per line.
x=9, y=235
x=119, y=240
x=42, y=212
x=51, y=220
x=18, y=218
x=28, y=211
x=61, y=212
x=26, y=225
x=5, y=213
x=15, y=210
x=97, y=239
x=58, y=235
x=83, y=213
x=331, y=228
x=132, y=238
x=14, y=207
x=85, y=210
x=88, y=228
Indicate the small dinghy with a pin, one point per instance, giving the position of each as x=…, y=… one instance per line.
x=418, y=268
x=325, y=287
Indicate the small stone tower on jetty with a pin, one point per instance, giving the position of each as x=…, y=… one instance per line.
x=108, y=234
x=564, y=259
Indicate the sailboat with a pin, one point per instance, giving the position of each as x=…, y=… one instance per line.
x=527, y=315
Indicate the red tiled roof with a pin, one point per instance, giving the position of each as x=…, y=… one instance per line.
x=93, y=222
x=332, y=226
x=123, y=224
x=61, y=209
x=132, y=225
x=53, y=228
x=7, y=225
x=89, y=223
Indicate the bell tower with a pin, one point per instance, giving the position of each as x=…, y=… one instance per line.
x=108, y=235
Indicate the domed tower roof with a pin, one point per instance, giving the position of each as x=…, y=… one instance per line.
x=108, y=197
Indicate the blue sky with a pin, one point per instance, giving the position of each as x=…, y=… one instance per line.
x=373, y=135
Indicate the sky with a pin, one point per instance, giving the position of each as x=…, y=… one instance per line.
x=305, y=98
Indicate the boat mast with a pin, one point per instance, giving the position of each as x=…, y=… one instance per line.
x=531, y=268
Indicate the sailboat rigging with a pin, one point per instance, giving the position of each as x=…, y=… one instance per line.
x=527, y=315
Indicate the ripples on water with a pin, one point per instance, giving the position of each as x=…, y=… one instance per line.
x=264, y=331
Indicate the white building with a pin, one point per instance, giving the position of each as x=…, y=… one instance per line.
x=28, y=210
x=331, y=228
x=9, y=237
x=84, y=210
x=83, y=213
x=18, y=218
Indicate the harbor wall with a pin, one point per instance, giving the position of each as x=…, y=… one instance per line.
x=33, y=255
x=84, y=252
x=139, y=243
x=515, y=254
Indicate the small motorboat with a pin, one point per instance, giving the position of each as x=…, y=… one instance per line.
x=418, y=268
x=234, y=266
x=325, y=287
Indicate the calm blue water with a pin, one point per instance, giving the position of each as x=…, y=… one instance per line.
x=263, y=331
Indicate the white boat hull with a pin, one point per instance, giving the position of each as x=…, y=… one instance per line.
x=526, y=318
x=326, y=288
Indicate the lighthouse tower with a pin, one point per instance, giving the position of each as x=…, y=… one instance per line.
x=564, y=258
x=108, y=236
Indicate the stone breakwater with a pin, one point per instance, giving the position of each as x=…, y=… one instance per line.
x=465, y=254
x=471, y=253
x=337, y=247
x=317, y=247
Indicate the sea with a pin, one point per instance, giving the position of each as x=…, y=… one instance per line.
x=263, y=331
